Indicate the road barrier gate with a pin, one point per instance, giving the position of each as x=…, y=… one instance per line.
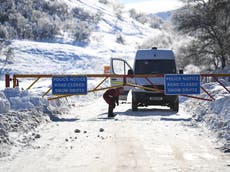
x=204, y=77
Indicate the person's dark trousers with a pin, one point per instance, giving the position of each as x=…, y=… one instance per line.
x=110, y=111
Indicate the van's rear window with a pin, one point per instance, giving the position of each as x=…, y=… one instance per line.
x=155, y=67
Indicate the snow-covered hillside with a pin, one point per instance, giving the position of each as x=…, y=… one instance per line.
x=22, y=111
x=40, y=57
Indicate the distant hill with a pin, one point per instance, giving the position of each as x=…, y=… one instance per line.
x=166, y=15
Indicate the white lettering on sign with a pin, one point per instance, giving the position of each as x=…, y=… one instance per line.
x=76, y=85
x=191, y=78
x=77, y=79
x=60, y=84
x=177, y=78
x=59, y=79
x=176, y=84
x=69, y=85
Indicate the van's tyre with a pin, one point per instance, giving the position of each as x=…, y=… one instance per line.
x=134, y=104
x=175, y=107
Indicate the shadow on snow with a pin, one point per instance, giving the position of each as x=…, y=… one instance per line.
x=176, y=119
x=147, y=112
x=57, y=119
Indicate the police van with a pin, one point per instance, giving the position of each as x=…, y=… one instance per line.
x=147, y=62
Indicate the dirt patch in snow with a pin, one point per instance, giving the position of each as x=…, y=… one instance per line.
x=15, y=124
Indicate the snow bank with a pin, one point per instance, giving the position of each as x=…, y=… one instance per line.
x=4, y=103
x=20, y=113
x=18, y=121
x=23, y=100
x=214, y=115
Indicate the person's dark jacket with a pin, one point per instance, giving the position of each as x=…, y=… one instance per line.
x=111, y=97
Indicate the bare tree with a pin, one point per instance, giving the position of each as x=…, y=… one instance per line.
x=6, y=53
x=44, y=20
x=209, y=22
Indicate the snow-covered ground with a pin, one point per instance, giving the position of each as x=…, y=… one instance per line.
x=152, y=139
x=32, y=129
x=214, y=115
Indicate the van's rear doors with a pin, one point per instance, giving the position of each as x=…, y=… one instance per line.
x=154, y=61
x=120, y=67
x=151, y=67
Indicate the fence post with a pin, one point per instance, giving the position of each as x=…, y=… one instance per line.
x=7, y=80
x=15, y=81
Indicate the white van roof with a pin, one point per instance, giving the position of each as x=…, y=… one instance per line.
x=154, y=54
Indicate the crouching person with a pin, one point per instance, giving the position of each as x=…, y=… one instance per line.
x=111, y=97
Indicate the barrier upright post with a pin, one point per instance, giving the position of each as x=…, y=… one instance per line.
x=7, y=80
x=15, y=82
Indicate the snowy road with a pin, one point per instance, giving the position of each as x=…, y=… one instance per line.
x=147, y=140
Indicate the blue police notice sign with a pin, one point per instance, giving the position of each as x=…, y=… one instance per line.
x=69, y=85
x=182, y=84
